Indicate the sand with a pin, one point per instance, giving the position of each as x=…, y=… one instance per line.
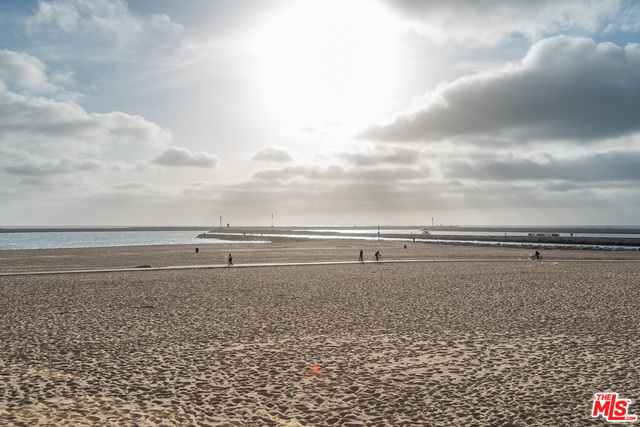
x=507, y=341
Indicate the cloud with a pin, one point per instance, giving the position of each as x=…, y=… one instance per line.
x=309, y=202
x=383, y=155
x=38, y=116
x=630, y=20
x=335, y=173
x=272, y=154
x=493, y=142
x=106, y=24
x=46, y=125
x=597, y=167
x=133, y=186
x=491, y=21
x=49, y=143
x=564, y=89
x=53, y=167
x=182, y=157
x=24, y=72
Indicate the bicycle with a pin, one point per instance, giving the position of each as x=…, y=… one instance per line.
x=536, y=256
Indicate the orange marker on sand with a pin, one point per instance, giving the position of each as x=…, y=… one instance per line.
x=315, y=369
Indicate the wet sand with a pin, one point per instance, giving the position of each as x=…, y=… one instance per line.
x=508, y=341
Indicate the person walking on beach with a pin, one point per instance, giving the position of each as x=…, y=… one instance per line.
x=230, y=259
x=361, y=256
x=378, y=254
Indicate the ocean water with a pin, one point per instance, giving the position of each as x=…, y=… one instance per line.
x=415, y=232
x=412, y=237
x=52, y=239
x=88, y=239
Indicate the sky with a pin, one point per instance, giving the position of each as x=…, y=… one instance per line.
x=332, y=112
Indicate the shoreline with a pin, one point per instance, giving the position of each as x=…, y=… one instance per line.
x=284, y=251
x=608, y=229
x=32, y=238
x=82, y=229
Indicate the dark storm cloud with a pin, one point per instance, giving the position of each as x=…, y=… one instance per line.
x=564, y=89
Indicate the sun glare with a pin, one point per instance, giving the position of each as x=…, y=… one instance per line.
x=328, y=62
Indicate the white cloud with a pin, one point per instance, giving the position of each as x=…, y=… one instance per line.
x=272, y=154
x=62, y=15
x=490, y=21
x=102, y=29
x=54, y=125
x=50, y=144
x=630, y=20
x=181, y=157
x=48, y=126
x=133, y=186
x=564, y=89
x=24, y=72
x=333, y=173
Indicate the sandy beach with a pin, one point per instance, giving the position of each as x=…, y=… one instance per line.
x=479, y=336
